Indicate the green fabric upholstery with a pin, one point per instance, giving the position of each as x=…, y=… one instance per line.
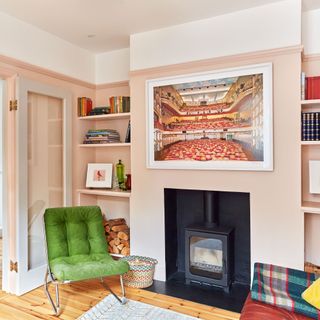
x=76, y=243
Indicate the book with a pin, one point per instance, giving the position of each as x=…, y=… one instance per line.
x=303, y=126
x=128, y=134
x=317, y=133
x=313, y=88
x=119, y=104
x=303, y=86
x=99, y=110
x=100, y=136
x=310, y=126
x=84, y=106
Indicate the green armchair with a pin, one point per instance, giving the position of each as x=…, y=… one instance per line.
x=77, y=249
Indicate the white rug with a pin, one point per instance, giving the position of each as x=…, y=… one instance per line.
x=110, y=309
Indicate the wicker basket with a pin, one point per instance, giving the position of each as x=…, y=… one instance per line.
x=141, y=271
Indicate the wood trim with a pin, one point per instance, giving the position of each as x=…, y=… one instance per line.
x=219, y=60
x=112, y=85
x=6, y=72
x=311, y=57
x=44, y=71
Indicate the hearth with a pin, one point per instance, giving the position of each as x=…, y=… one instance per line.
x=209, y=249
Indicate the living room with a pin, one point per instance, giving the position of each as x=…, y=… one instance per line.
x=208, y=41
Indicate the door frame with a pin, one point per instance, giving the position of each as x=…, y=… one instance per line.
x=5, y=217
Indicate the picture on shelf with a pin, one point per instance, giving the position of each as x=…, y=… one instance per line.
x=99, y=175
x=215, y=120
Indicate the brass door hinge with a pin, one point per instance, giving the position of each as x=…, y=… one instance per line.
x=13, y=105
x=13, y=266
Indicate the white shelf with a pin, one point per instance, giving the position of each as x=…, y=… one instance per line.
x=110, y=116
x=310, y=102
x=110, y=193
x=311, y=207
x=117, y=255
x=310, y=143
x=105, y=145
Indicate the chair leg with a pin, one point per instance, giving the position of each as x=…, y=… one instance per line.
x=55, y=308
x=123, y=291
x=123, y=299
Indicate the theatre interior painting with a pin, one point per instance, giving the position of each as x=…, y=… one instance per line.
x=210, y=120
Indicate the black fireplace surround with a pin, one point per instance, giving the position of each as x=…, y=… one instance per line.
x=208, y=237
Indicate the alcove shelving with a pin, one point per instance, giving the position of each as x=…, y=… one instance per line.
x=310, y=203
x=113, y=202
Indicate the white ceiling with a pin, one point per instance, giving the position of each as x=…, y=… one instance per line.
x=112, y=21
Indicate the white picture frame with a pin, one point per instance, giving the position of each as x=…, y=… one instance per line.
x=99, y=175
x=164, y=95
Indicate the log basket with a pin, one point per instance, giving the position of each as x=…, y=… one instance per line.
x=141, y=271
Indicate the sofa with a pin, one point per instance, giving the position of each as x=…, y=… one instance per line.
x=255, y=310
x=276, y=295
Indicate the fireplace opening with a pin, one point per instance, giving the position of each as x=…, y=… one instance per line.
x=208, y=237
x=209, y=248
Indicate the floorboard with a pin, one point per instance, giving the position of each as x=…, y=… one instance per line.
x=79, y=297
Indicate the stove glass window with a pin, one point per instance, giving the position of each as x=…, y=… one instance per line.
x=206, y=257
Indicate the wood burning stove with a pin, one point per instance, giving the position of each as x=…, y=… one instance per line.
x=209, y=249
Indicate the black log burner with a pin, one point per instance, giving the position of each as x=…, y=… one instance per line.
x=209, y=256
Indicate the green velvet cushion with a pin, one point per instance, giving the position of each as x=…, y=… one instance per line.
x=76, y=243
x=83, y=267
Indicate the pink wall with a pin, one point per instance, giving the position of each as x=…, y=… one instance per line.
x=276, y=219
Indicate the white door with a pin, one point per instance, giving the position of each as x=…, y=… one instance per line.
x=43, y=172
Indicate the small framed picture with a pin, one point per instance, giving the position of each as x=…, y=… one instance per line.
x=99, y=175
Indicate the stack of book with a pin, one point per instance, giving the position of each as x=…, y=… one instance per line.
x=99, y=110
x=102, y=136
x=310, y=126
x=310, y=87
x=84, y=106
x=119, y=104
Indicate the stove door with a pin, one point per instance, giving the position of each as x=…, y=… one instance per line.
x=206, y=257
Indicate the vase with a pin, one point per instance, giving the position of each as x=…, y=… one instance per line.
x=128, y=181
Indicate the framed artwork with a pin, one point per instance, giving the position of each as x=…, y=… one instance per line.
x=99, y=175
x=218, y=120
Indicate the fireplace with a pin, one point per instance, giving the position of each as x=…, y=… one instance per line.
x=207, y=238
x=209, y=248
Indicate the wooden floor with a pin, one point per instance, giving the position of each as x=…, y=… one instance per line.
x=79, y=297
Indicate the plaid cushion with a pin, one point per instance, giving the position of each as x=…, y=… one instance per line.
x=282, y=287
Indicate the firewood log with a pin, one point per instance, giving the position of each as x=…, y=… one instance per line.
x=115, y=222
x=120, y=228
x=125, y=242
x=112, y=243
x=125, y=251
x=123, y=235
x=120, y=246
x=115, y=250
x=116, y=241
x=107, y=228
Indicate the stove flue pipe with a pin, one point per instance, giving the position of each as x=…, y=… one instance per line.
x=211, y=206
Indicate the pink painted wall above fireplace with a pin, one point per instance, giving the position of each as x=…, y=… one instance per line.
x=276, y=221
